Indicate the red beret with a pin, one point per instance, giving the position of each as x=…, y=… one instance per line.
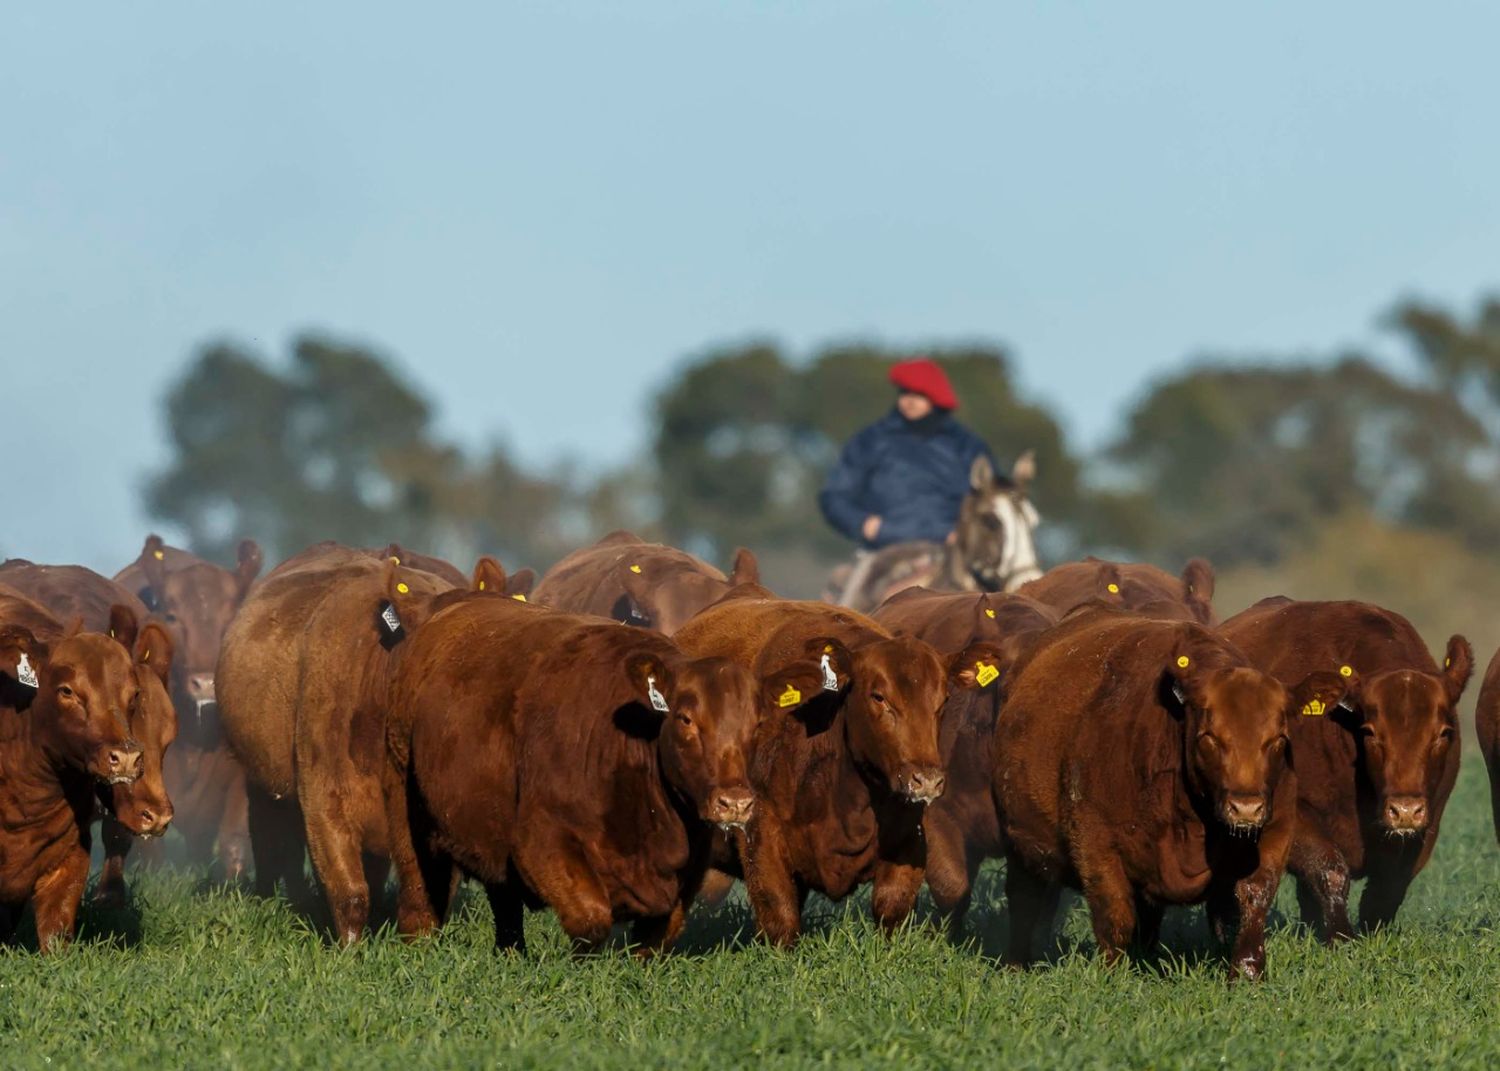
x=923, y=376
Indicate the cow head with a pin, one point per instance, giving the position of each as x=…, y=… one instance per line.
x=143, y=807
x=1407, y=722
x=197, y=600
x=82, y=694
x=1234, y=721
x=707, y=712
x=664, y=594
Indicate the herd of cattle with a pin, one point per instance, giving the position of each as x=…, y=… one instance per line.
x=1099, y=729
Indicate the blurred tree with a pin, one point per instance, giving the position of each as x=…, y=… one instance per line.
x=745, y=438
x=1245, y=462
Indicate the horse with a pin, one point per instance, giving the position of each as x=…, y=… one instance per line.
x=991, y=548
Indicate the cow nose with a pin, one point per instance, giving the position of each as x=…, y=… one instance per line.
x=733, y=807
x=1406, y=814
x=1245, y=811
x=156, y=820
x=925, y=784
x=201, y=687
x=125, y=764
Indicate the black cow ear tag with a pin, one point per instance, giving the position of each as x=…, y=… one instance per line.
x=392, y=631
x=658, y=701
x=26, y=672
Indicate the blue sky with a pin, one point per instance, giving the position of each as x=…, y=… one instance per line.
x=540, y=209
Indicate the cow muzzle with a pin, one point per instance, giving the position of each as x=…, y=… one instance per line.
x=1244, y=813
x=200, y=689
x=151, y=820
x=921, y=784
x=731, y=808
x=121, y=765
x=1404, y=816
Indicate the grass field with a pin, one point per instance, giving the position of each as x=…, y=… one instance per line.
x=216, y=978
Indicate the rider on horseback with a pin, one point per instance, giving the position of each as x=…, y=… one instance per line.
x=904, y=477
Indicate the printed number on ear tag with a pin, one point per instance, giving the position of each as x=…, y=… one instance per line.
x=789, y=698
x=26, y=672
x=658, y=701
x=1180, y=694
x=830, y=678
x=391, y=618
x=985, y=674
x=1315, y=709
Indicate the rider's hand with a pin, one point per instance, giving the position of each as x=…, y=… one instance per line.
x=871, y=528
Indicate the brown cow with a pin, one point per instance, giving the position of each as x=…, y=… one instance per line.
x=1127, y=585
x=144, y=808
x=845, y=761
x=1145, y=762
x=563, y=761
x=1374, y=776
x=65, y=715
x=302, y=681
x=197, y=599
x=962, y=827
x=1487, y=722
x=626, y=579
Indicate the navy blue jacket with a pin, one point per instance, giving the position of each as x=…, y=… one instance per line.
x=913, y=477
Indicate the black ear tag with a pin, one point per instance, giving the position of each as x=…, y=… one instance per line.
x=392, y=631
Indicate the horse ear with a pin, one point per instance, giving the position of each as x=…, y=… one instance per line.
x=981, y=473
x=1024, y=470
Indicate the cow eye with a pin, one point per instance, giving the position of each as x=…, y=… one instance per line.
x=64, y=691
x=877, y=697
x=684, y=719
x=1445, y=733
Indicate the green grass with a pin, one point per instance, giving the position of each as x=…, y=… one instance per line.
x=198, y=977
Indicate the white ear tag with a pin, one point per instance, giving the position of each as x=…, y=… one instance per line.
x=1179, y=693
x=1344, y=704
x=391, y=618
x=25, y=672
x=830, y=678
x=658, y=701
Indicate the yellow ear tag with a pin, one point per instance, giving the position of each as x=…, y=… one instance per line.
x=158, y=554
x=828, y=649
x=1447, y=662
x=481, y=585
x=1183, y=661
x=402, y=588
x=395, y=559
x=988, y=612
x=1313, y=709
x=635, y=568
x=1345, y=671
x=985, y=674
x=1114, y=589
x=146, y=656
x=519, y=598
x=789, y=698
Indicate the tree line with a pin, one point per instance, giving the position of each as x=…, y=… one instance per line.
x=1244, y=460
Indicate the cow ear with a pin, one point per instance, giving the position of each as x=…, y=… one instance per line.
x=519, y=584
x=1458, y=667
x=835, y=663
x=1321, y=694
x=746, y=569
x=792, y=687
x=1180, y=673
x=639, y=603
x=154, y=650
x=488, y=576
x=978, y=665
x=153, y=562
x=389, y=624
x=981, y=473
x=1024, y=470
x=123, y=626
x=22, y=657
x=249, y=561
x=652, y=683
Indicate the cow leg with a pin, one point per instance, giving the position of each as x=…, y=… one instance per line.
x=896, y=889
x=772, y=888
x=1385, y=890
x=234, y=829
x=510, y=915
x=1111, y=902
x=1148, y=916
x=110, y=892
x=335, y=846
x=715, y=888
x=377, y=870
x=1032, y=903
x=949, y=874
x=56, y=898
x=1321, y=869
x=426, y=879
x=652, y=936
x=570, y=887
